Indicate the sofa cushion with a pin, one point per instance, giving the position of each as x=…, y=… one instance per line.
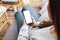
x=44, y=8
x=2, y=9
x=44, y=16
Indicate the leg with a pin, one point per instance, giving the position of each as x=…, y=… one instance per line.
x=19, y=18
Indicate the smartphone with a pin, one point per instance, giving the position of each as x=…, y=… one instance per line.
x=27, y=16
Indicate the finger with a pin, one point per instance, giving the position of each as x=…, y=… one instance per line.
x=24, y=21
x=32, y=18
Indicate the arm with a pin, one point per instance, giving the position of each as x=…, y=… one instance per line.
x=42, y=24
x=45, y=24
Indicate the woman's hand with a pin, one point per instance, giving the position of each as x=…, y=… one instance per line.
x=33, y=22
x=24, y=22
x=45, y=24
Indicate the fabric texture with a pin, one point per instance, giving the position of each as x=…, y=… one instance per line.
x=19, y=18
x=2, y=9
x=44, y=16
x=30, y=33
x=43, y=9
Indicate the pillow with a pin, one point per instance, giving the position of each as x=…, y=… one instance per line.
x=2, y=9
x=44, y=8
x=10, y=1
x=44, y=16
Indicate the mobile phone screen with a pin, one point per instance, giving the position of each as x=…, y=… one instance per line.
x=27, y=16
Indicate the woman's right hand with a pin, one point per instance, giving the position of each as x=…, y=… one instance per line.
x=45, y=24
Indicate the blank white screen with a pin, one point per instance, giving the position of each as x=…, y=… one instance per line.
x=27, y=16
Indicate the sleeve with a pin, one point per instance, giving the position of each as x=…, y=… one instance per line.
x=23, y=34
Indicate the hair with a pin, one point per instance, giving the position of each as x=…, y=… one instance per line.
x=55, y=14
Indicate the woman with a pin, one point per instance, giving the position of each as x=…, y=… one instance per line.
x=48, y=33
x=55, y=13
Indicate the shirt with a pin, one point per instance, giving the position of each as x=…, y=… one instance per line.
x=30, y=33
